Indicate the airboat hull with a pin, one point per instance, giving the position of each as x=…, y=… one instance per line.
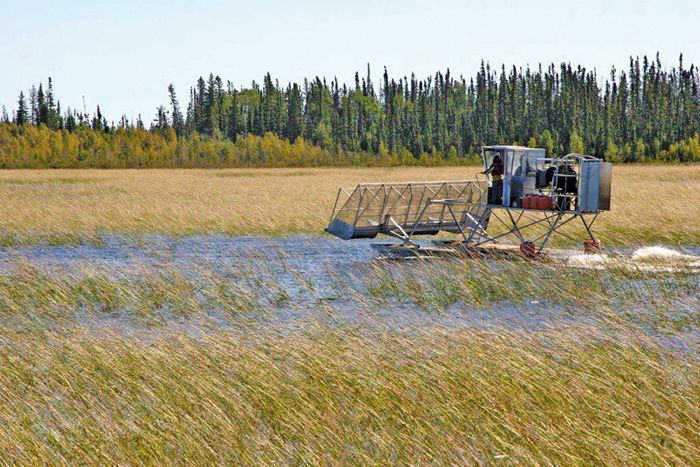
x=449, y=249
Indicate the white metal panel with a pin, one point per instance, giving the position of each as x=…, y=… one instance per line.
x=589, y=185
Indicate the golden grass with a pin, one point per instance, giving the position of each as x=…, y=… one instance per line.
x=101, y=370
x=575, y=396
x=650, y=203
x=105, y=368
x=662, y=302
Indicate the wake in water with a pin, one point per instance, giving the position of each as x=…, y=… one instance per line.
x=659, y=253
x=647, y=259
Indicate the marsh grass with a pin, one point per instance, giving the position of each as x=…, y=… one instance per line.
x=597, y=390
x=650, y=204
x=579, y=395
x=143, y=295
x=151, y=295
x=14, y=239
x=260, y=173
x=107, y=365
x=646, y=297
x=47, y=181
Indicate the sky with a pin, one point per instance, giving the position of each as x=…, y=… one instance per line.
x=123, y=54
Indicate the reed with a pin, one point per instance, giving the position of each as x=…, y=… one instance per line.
x=157, y=362
x=142, y=366
x=650, y=204
x=320, y=395
x=238, y=295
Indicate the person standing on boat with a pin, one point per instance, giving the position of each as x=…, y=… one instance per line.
x=496, y=172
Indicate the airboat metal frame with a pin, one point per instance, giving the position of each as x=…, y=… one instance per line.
x=407, y=210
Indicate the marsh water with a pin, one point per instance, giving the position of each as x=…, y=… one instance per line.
x=298, y=278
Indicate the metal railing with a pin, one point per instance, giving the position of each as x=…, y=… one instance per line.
x=398, y=208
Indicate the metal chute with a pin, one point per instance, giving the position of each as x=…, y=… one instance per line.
x=406, y=209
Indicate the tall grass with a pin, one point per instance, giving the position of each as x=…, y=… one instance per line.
x=164, y=363
x=577, y=395
x=649, y=203
x=479, y=284
x=236, y=295
x=123, y=367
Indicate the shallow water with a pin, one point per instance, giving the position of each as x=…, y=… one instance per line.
x=321, y=278
x=309, y=254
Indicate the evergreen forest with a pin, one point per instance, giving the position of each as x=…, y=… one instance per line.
x=645, y=113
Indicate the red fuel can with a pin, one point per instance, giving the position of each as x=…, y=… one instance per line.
x=541, y=202
x=545, y=202
x=533, y=201
x=528, y=248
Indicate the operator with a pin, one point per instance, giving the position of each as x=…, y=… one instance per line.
x=496, y=171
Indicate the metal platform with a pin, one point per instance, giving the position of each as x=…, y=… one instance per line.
x=403, y=210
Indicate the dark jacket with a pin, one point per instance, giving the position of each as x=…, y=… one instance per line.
x=496, y=169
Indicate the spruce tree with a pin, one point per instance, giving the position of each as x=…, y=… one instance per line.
x=42, y=107
x=33, y=106
x=178, y=122
x=21, y=116
x=51, y=120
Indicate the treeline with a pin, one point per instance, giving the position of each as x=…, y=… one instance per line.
x=41, y=147
x=646, y=113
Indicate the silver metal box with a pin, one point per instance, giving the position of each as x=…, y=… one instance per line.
x=589, y=185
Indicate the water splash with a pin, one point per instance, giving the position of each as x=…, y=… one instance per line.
x=597, y=261
x=659, y=253
x=646, y=259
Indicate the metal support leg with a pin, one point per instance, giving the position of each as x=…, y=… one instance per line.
x=404, y=236
x=512, y=231
x=515, y=226
x=479, y=227
x=551, y=230
x=459, y=226
x=588, y=226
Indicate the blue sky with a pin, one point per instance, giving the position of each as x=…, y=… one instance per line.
x=123, y=54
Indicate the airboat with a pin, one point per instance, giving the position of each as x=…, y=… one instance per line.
x=531, y=200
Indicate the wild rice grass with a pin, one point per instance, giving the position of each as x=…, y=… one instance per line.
x=650, y=204
x=577, y=395
x=81, y=383
x=661, y=301
x=105, y=367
